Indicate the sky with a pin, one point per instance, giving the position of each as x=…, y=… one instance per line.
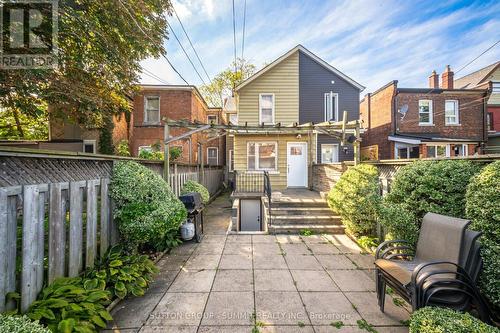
x=371, y=41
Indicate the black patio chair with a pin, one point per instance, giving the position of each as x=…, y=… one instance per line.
x=442, y=270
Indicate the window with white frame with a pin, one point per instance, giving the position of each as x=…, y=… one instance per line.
x=425, y=112
x=331, y=106
x=212, y=119
x=329, y=153
x=405, y=151
x=266, y=108
x=233, y=118
x=495, y=87
x=435, y=151
x=231, y=161
x=89, y=146
x=152, y=110
x=489, y=121
x=459, y=150
x=213, y=156
x=451, y=112
x=262, y=155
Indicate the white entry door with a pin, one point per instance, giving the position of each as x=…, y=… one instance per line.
x=250, y=217
x=297, y=164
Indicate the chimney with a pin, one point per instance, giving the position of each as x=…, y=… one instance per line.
x=434, y=80
x=447, y=78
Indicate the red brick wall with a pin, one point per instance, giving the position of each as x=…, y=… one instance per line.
x=495, y=110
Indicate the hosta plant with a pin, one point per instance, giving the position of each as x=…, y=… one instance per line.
x=20, y=324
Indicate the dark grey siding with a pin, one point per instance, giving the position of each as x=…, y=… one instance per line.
x=314, y=81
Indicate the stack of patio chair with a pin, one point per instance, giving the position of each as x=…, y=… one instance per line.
x=442, y=270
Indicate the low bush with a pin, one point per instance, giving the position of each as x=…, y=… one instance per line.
x=20, y=324
x=399, y=222
x=123, y=148
x=192, y=186
x=433, y=186
x=441, y=320
x=483, y=209
x=146, y=209
x=356, y=198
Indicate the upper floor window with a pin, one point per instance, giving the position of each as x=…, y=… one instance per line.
x=331, y=106
x=152, y=110
x=495, y=87
x=489, y=121
x=233, y=118
x=212, y=119
x=266, y=108
x=451, y=112
x=425, y=112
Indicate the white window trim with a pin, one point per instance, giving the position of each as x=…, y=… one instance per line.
x=217, y=150
x=148, y=148
x=457, y=117
x=335, y=146
x=145, y=121
x=89, y=142
x=447, y=149
x=231, y=152
x=216, y=119
x=408, y=146
x=495, y=85
x=336, y=111
x=431, y=107
x=260, y=109
x=257, y=166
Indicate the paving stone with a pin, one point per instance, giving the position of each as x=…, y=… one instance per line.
x=241, y=239
x=289, y=239
x=214, y=239
x=280, y=308
x=169, y=329
x=335, y=261
x=269, y=261
x=356, y=329
x=233, y=280
x=366, y=303
x=172, y=262
x=209, y=248
x=236, y=261
x=178, y=309
x=263, y=239
x=266, y=248
x=352, y=280
x=185, y=249
x=314, y=239
x=134, y=311
x=193, y=281
x=345, y=244
x=273, y=280
x=326, y=307
x=308, y=262
x=236, y=248
x=323, y=249
x=225, y=329
x=286, y=329
x=229, y=308
x=120, y=330
x=313, y=281
x=162, y=281
x=364, y=261
x=295, y=249
x=203, y=261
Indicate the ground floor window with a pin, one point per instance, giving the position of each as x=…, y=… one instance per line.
x=405, y=151
x=435, y=151
x=329, y=153
x=231, y=160
x=213, y=156
x=262, y=155
x=89, y=146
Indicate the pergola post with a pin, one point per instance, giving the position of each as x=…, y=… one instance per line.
x=357, y=145
x=166, y=154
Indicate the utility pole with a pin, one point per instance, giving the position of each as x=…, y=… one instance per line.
x=166, y=153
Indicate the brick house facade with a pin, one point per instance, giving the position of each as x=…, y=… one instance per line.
x=423, y=122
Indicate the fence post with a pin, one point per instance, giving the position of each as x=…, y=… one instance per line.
x=104, y=239
x=56, y=232
x=91, y=223
x=75, y=228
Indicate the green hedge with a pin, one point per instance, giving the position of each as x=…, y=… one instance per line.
x=356, y=198
x=399, y=222
x=146, y=209
x=483, y=208
x=20, y=324
x=441, y=320
x=192, y=186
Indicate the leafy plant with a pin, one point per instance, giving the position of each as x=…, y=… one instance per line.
x=306, y=232
x=122, y=274
x=123, y=148
x=175, y=153
x=106, y=145
x=356, y=198
x=441, y=320
x=67, y=305
x=337, y=324
x=364, y=325
x=192, y=186
x=399, y=222
x=20, y=324
x=483, y=208
x=368, y=242
x=151, y=155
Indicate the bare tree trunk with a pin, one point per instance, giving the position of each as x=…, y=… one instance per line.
x=15, y=113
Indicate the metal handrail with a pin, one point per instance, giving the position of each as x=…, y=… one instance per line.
x=268, y=192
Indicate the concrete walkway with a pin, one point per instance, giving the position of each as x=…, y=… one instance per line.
x=260, y=283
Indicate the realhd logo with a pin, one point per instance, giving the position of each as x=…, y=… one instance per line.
x=28, y=34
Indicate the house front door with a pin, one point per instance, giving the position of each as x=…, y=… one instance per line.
x=297, y=164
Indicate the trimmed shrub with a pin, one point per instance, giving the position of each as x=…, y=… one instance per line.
x=399, y=222
x=483, y=209
x=146, y=209
x=433, y=186
x=20, y=324
x=356, y=198
x=441, y=320
x=192, y=186
x=123, y=148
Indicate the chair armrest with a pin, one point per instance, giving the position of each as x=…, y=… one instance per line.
x=415, y=277
x=385, y=248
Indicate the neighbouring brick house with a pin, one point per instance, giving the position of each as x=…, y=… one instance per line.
x=439, y=121
x=154, y=103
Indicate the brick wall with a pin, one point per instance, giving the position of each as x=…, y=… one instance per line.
x=326, y=175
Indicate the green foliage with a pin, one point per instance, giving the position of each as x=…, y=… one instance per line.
x=151, y=155
x=368, y=242
x=306, y=232
x=441, y=320
x=337, y=324
x=146, y=209
x=122, y=274
x=15, y=125
x=355, y=197
x=192, y=186
x=123, y=149
x=483, y=208
x=106, y=136
x=175, y=153
x=20, y=324
x=364, y=325
x=433, y=186
x=399, y=222
x=67, y=305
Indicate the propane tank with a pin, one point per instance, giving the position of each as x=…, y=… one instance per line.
x=187, y=230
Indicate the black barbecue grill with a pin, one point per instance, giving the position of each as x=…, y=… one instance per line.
x=194, y=206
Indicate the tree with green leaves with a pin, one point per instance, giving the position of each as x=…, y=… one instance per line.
x=222, y=84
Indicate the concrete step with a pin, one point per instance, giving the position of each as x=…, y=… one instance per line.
x=299, y=204
x=306, y=219
x=297, y=228
x=300, y=210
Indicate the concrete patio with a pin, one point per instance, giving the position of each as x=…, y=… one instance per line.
x=260, y=283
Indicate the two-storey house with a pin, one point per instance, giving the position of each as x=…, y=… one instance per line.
x=297, y=88
x=439, y=121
